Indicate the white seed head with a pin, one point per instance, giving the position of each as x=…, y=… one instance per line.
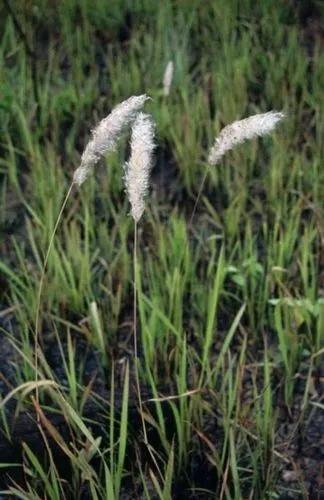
x=137, y=169
x=167, y=78
x=106, y=134
x=242, y=130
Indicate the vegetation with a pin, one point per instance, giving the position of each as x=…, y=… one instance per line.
x=230, y=304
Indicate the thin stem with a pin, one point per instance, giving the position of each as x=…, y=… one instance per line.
x=194, y=210
x=138, y=388
x=201, y=187
x=135, y=336
x=41, y=284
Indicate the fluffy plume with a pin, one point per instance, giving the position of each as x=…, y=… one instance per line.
x=242, y=130
x=167, y=78
x=137, y=169
x=106, y=135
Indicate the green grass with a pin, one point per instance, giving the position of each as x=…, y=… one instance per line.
x=243, y=299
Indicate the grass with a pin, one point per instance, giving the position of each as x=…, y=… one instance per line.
x=230, y=307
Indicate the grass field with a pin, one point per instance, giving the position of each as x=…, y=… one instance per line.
x=230, y=307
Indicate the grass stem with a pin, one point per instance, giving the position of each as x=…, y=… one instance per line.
x=41, y=284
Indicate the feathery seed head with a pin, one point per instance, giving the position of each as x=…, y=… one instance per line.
x=106, y=134
x=167, y=78
x=137, y=169
x=242, y=130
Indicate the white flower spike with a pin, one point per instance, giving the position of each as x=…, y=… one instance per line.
x=138, y=168
x=241, y=131
x=106, y=135
x=167, y=78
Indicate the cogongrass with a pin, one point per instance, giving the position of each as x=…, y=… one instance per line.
x=106, y=135
x=104, y=139
x=137, y=171
x=235, y=134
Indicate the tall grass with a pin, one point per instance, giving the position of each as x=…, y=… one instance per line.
x=229, y=302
